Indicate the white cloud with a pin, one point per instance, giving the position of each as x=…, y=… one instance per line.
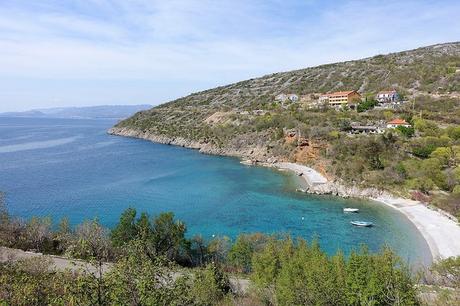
x=172, y=47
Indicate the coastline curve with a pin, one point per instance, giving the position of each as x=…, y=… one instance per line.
x=441, y=233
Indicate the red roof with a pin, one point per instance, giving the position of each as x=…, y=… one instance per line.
x=398, y=121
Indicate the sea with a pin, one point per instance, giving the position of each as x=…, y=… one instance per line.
x=72, y=168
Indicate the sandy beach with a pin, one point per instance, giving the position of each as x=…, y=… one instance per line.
x=441, y=233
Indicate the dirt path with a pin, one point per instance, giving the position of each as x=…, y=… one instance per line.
x=239, y=285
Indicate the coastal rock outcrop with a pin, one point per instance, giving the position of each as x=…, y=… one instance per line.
x=256, y=153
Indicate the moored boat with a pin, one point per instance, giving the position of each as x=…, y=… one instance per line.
x=362, y=223
x=352, y=210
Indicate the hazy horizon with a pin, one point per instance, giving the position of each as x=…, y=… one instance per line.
x=78, y=107
x=112, y=52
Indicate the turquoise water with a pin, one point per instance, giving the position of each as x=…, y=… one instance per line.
x=57, y=168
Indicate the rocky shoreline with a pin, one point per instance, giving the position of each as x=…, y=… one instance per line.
x=256, y=155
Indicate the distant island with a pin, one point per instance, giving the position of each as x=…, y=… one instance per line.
x=90, y=112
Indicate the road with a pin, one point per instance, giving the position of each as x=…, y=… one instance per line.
x=239, y=285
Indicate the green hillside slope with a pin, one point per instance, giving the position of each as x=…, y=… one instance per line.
x=244, y=120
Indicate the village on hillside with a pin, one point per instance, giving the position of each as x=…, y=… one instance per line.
x=353, y=101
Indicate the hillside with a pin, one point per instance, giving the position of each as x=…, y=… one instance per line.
x=244, y=120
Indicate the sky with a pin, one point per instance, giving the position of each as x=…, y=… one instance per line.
x=56, y=53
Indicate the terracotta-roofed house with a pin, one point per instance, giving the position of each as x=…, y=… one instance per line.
x=397, y=122
x=340, y=99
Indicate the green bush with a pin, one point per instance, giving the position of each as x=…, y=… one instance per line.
x=366, y=105
x=299, y=274
x=406, y=131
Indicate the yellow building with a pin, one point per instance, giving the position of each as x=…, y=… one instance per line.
x=341, y=98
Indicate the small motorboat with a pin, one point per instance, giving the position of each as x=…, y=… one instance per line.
x=362, y=223
x=350, y=210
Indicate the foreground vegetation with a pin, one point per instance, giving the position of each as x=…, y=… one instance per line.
x=420, y=162
x=149, y=261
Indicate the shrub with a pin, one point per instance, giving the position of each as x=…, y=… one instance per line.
x=366, y=105
x=406, y=131
x=426, y=127
x=299, y=274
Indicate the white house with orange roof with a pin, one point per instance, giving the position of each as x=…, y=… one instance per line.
x=397, y=122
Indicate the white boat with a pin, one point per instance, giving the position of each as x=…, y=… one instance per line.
x=361, y=223
x=351, y=210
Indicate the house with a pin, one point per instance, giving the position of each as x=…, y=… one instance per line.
x=365, y=129
x=293, y=97
x=390, y=96
x=397, y=122
x=341, y=98
x=283, y=98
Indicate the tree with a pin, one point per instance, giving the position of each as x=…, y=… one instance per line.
x=426, y=127
x=432, y=168
x=388, y=115
x=92, y=243
x=218, y=249
x=11, y=229
x=3, y=210
x=453, y=132
x=125, y=230
x=37, y=233
x=198, y=250
x=366, y=105
x=298, y=274
x=423, y=147
x=34, y=281
x=137, y=279
x=266, y=265
x=240, y=254
x=63, y=236
x=168, y=235
x=144, y=227
x=424, y=184
x=445, y=155
x=209, y=285
x=407, y=132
